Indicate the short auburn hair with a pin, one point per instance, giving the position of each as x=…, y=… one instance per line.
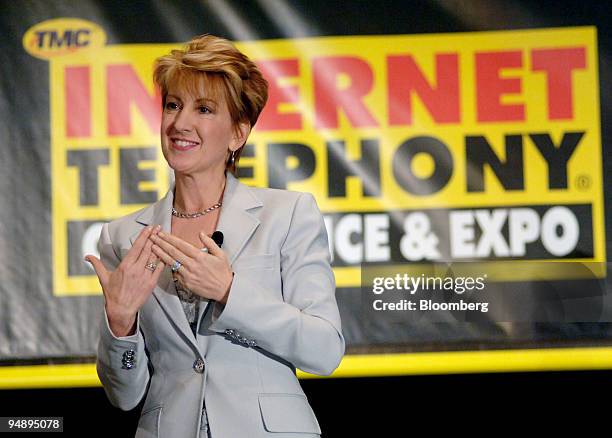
x=214, y=64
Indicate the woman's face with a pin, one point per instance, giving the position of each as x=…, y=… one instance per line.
x=197, y=132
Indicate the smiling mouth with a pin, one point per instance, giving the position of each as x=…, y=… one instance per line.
x=183, y=145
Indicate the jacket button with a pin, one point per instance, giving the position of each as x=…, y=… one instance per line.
x=198, y=365
x=128, y=359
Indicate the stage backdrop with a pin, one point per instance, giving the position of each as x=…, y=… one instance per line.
x=458, y=161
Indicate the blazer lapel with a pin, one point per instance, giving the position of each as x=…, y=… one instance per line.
x=237, y=225
x=236, y=222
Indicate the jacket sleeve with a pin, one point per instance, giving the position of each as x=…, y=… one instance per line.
x=122, y=363
x=303, y=328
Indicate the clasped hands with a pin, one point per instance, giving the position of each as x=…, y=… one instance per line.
x=127, y=288
x=204, y=273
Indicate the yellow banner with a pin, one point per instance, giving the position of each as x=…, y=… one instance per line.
x=467, y=146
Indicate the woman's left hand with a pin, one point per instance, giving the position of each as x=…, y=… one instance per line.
x=207, y=274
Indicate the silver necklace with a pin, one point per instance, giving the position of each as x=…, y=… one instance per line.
x=196, y=214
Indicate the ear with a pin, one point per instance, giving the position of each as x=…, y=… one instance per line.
x=241, y=134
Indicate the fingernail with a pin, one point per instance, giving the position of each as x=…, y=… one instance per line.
x=161, y=234
x=157, y=228
x=202, y=233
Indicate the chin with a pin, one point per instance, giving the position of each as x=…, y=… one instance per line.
x=179, y=165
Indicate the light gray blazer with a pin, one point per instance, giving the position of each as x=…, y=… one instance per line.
x=281, y=313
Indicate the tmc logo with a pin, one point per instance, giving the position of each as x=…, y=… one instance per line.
x=62, y=36
x=52, y=39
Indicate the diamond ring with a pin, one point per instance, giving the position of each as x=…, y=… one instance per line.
x=176, y=266
x=151, y=266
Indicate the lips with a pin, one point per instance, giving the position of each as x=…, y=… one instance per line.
x=181, y=144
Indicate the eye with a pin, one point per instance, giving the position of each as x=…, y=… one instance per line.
x=204, y=110
x=172, y=106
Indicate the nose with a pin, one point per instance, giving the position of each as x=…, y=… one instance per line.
x=182, y=121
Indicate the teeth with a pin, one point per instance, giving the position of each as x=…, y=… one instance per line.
x=184, y=143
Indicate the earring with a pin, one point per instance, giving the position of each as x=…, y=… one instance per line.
x=232, y=158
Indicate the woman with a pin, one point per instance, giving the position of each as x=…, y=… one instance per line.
x=211, y=337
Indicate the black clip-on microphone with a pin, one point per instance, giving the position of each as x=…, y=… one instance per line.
x=217, y=236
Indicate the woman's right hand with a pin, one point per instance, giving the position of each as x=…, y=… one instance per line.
x=127, y=288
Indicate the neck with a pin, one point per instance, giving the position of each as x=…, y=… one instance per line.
x=193, y=193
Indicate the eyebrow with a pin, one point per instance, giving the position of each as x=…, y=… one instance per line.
x=206, y=100
x=200, y=100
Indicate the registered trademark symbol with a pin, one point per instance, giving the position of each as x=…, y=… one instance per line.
x=583, y=182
